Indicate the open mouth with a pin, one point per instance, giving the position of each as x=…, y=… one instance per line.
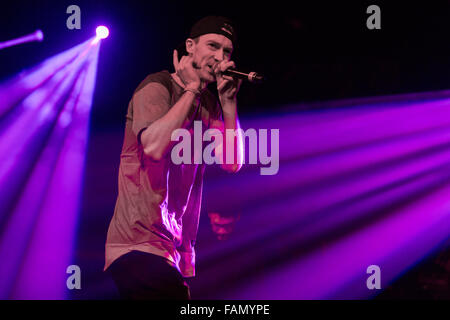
x=212, y=65
x=210, y=69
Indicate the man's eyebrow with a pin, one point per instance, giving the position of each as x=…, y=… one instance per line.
x=217, y=43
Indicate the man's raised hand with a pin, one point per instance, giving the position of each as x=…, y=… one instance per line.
x=186, y=71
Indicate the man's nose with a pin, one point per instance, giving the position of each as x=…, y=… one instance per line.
x=219, y=55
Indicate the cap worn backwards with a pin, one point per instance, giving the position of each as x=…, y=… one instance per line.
x=214, y=24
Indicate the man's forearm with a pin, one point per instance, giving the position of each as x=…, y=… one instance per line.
x=231, y=122
x=156, y=138
x=230, y=117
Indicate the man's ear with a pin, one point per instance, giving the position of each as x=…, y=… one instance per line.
x=190, y=44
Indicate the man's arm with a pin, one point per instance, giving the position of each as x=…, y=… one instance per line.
x=227, y=88
x=235, y=141
x=155, y=139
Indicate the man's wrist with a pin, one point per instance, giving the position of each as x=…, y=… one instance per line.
x=229, y=107
x=194, y=88
x=196, y=92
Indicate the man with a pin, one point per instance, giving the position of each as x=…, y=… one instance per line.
x=151, y=237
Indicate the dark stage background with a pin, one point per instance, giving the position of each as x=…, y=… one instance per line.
x=310, y=51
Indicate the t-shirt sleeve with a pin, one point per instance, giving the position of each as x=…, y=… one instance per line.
x=149, y=104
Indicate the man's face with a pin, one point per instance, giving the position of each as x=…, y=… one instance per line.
x=210, y=50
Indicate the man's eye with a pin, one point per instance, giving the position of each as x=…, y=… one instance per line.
x=212, y=45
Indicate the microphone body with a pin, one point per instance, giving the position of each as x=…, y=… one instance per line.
x=251, y=76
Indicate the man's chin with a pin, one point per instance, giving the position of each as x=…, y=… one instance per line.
x=207, y=76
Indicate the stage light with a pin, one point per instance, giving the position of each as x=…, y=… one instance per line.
x=39, y=35
x=35, y=36
x=357, y=186
x=53, y=100
x=102, y=32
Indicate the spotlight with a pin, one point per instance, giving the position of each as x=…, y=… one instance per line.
x=39, y=35
x=102, y=32
x=35, y=36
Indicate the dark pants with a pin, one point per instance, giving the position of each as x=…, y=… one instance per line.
x=144, y=276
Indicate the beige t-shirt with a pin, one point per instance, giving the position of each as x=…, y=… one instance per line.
x=158, y=204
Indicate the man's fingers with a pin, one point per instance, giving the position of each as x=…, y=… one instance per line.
x=224, y=85
x=185, y=60
x=229, y=64
x=175, y=59
x=181, y=63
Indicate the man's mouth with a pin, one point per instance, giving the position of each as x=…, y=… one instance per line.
x=210, y=69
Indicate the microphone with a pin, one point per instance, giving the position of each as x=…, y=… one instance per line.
x=251, y=76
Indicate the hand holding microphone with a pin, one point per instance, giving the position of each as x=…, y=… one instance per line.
x=227, y=86
x=252, y=76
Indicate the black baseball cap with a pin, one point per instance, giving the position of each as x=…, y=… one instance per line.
x=214, y=24
x=210, y=24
